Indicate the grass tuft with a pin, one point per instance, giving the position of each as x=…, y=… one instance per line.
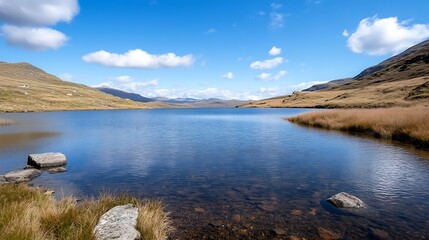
x=28, y=213
x=409, y=125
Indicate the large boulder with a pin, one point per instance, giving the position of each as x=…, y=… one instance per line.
x=345, y=200
x=47, y=160
x=3, y=180
x=118, y=223
x=22, y=175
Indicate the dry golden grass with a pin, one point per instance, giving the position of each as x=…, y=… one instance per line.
x=28, y=213
x=383, y=94
x=24, y=87
x=403, y=124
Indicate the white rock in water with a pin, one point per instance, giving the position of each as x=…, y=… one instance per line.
x=345, y=200
x=22, y=175
x=47, y=160
x=118, y=223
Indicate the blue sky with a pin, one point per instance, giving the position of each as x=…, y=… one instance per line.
x=210, y=48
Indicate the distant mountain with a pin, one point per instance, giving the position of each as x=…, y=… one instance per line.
x=402, y=80
x=24, y=87
x=125, y=95
x=176, y=102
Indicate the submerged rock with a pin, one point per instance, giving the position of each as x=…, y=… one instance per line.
x=345, y=200
x=118, y=223
x=2, y=180
x=326, y=234
x=22, y=175
x=56, y=170
x=47, y=160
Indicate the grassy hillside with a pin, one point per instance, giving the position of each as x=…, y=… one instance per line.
x=413, y=92
x=402, y=80
x=24, y=87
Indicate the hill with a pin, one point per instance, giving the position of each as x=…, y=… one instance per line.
x=125, y=95
x=175, y=102
x=402, y=80
x=24, y=87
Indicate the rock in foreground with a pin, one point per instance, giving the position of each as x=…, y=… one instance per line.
x=47, y=160
x=118, y=223
x=22, y=175
x=345, y=200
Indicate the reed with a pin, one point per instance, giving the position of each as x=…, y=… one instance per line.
x=29, y=213
x=409, y=125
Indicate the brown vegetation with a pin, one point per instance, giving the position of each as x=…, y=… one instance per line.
x=29, y=213
x=24, y=87
x=406, y=93
x=403, y=124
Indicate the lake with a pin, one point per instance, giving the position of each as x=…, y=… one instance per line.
x=231, y=173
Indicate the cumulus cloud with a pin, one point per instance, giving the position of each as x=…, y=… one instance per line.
x=275, y=51
x=139, y=59
x=26, y=21
x=268, y=76
x=129, y=85
x=375, y=36
x=34, y=38
x=228, y=75
x=37, y=13
x=345, y=33
x=267, y=64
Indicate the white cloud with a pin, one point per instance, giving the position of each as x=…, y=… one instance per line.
x=228, y=75
x=376, y=36
x=275, y=51
x=261, y=13
x=123, y=79
x=66, y=77
x=345, y=33
x=37, y=13
x=34, y=38
x=26, y=21
x=264, y=76
x=139, y=59
x=267, y=64
x=268, y=76
x=129, y=86
x=275, y=6
x=303, y=85
x=210, y=31
x=277, y=20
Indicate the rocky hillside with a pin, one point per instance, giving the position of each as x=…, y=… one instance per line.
x=402, y=80
x=24, y=87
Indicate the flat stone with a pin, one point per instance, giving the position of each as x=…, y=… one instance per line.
x=56, y=170
x=47, y=160
x=326, y=234
x=118, y=223
x=345, y=200
x=380, y=234
x=199, y=209
x=22, y=175
x=296, y=212
x=280, y=231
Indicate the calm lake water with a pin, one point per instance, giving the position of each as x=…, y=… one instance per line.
x=231, y=173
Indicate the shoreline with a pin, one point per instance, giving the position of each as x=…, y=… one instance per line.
x=405, y=125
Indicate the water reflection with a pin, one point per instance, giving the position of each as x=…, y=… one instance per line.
x=235, y=173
